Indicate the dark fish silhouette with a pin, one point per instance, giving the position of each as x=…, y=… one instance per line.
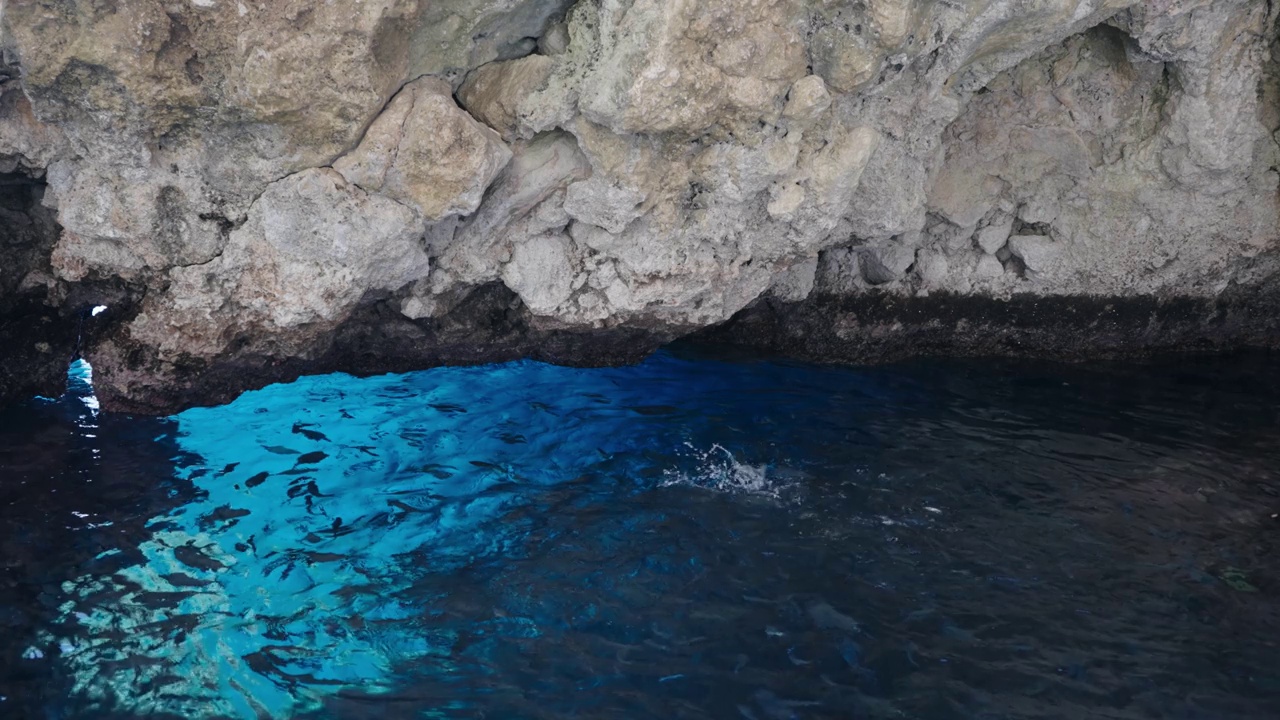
x=301, y=429
x=311, y=458
x=310, y=490
x=403, y=506
x=441, y=472
x=653, y=409
x=192, y=556
x=322, y=557
x=448, y=408
x=222, y=513
x=227, y=469
x=279, y=450
x=247, y=545
x=256, y=480
x=179, y=579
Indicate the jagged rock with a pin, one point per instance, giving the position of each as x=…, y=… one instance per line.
x=1038, y=253
x=989, y=267
x=426, y=152
x=312, y=246
x=807, y=100
x=630, y=169
x=994, y=236
x=493, y=93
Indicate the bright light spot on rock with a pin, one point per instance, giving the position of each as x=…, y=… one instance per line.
x=98, y=310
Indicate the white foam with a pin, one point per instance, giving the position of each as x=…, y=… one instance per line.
x=717, y=469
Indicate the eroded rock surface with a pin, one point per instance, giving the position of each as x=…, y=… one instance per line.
x=262, y=189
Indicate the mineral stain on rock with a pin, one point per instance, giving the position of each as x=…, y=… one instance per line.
x=263, y=191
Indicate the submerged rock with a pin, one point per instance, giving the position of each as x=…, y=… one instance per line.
x=253, y=187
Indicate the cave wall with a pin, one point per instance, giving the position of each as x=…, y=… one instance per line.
x=261, y=189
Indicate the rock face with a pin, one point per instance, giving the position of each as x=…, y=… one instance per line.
x=262, y=189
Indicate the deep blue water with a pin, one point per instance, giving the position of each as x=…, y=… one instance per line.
x=692, y=537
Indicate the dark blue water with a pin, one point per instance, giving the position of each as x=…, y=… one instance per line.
x=688, y=538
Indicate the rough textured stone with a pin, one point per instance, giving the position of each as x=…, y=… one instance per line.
x=246, y=180
x=493, y=93
x=425, y=152
x=312, y=247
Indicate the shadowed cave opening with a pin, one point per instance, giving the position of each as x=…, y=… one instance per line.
x=35, y=338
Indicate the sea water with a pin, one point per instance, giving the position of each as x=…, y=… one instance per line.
x=692, y=537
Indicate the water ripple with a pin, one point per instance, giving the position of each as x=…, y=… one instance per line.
x=683, y=538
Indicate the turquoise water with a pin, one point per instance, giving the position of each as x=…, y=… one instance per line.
x=690, y=537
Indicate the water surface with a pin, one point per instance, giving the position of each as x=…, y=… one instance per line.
x=692, y=537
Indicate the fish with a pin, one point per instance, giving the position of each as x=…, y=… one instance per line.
x=222, y=513
x=828, y=618
x=311, y=458
x=851, y=652
x=653, y=409
x=778, y=708
x=180, y=579
x=192, y=556
x=322, y=557
x=247, y=545
x=440, y=471
x=301, y=429
x=447, y=408
x=227, y=469
x=279, y=450
x=256, y=480
x=795, y=660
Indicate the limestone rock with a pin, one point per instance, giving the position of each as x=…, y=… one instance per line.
x=1037, y=252
x=269, y=180
x=994, y=236
x=313, y=245
x=835, y=170
x=541, y=272
x=493, y=93
x=807, y=100
x=989, y=267
x=598, y=202
x=426, y=152
x=887, y=264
